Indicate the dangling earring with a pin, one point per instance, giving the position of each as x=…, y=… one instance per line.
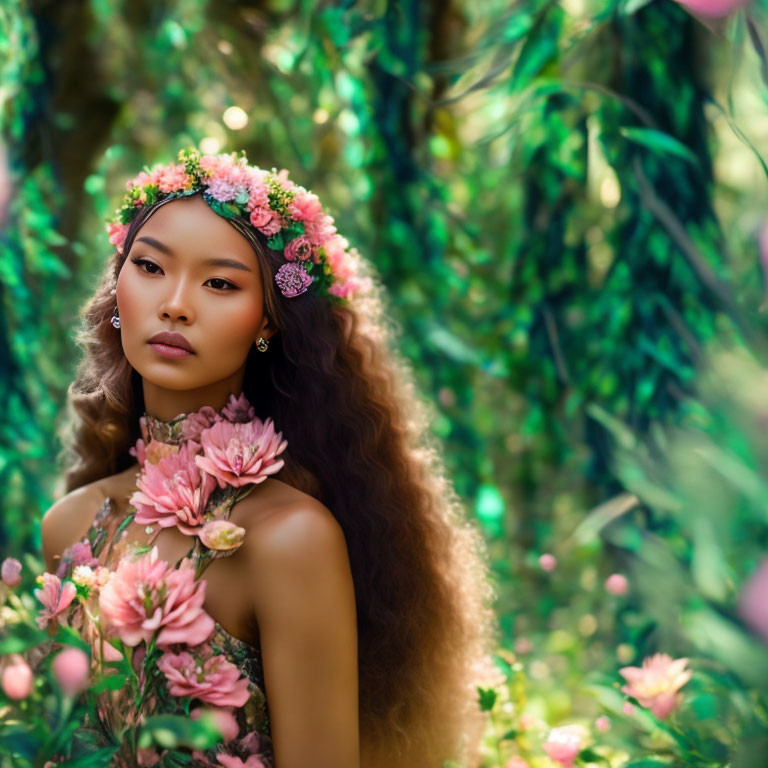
x=115, y=319
x=262, y=344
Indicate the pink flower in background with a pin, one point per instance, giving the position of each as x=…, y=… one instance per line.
x=54, y=596
x=145, y=595
x=564, y=744
x=239, y=454
x=603, y=723
x=230, y=761
x=71, y=668
x=516, y=762
x=656, y=683
x=617, y=584
x=238, y=409
x=173, y=491
x=628, y=708
x=17, y=678
x=523, y=645
x=548, y=562
x=216, y=681
x=10, y=572
x=713, y=8
x=223, y=718
x=78, y=554
x=221, y=535
x=753, y=600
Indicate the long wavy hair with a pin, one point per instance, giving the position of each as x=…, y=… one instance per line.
x=359, y=442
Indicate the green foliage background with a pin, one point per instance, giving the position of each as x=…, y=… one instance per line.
x=563, y=200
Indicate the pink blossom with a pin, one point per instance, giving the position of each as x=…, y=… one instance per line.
x=201, y=675
x=305, y=206
x=548, y=562
x=239, y=454
x=602, y=723
x=238, y=409
x=145, y=595
x=516, y=762
x=117, y=234
x=221, y=535
x=713, y=8
x=753, y=600
x=628, y=708
x=10, y=572
x=298, y=249
x=70, y=668
x=172, y=178
x=196, y=422
x=617, y=584
x=319, y=229
x=78, y=553
x=656, y=683
x=292, y=279
x=230, y=761
x=54, y=596
x=17, y=678
x=564, y=744
x=223, y=718
x=173, y=491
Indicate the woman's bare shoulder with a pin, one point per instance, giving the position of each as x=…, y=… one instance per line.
x=68, y=519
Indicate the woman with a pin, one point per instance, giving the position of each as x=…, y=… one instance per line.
x=358, y=578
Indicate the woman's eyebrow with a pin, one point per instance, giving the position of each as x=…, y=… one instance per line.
x=214, y=262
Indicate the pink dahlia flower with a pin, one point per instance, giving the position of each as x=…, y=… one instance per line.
x=196, y=422
x=54, y=596
x=173, y=491
x=201, y=675
x=145, y=596
x=239, y=409
x=298, y=249
x=656, y=683
x=10, y=572
x=239, y=454
x=564, y=744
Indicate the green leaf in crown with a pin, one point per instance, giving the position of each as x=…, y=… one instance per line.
x=228, y=210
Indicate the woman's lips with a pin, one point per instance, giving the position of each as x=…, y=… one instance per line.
x=166, y=350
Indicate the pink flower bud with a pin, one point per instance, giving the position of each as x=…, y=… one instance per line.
x=617, y=584
x=10, y=571
x=223, y=718
x=602, y=723
x=70, y=668
x=17, y=678
x=221, y=535
x=548, y=562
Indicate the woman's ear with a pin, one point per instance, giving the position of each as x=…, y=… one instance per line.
x=268, y=328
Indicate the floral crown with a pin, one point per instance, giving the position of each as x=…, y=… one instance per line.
x=289, y=215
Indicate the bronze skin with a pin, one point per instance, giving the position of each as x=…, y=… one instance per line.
x=168, y=283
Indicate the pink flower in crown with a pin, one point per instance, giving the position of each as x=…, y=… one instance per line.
x=196, y=422
x=266, y=220
x=305, y=206
x=656, y=683
x=292, y=279
x=199, y=674
x=80, y=554
x=284, y=181
x=117, y=234
x=55, y=597
x=224, y=189
x=240, y=454
x=239, y=409
x=173, y=491
x=319, y=229
x=172, y=178
x=299, y=248
x=146, y=596
x=259, y=193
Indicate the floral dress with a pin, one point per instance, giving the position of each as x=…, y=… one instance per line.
x=139, y=611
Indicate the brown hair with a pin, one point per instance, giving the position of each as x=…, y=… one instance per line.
x=358, y=441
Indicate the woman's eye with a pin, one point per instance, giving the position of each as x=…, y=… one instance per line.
x=223, y=285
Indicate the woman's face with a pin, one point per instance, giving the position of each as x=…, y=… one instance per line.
x=170, y=282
